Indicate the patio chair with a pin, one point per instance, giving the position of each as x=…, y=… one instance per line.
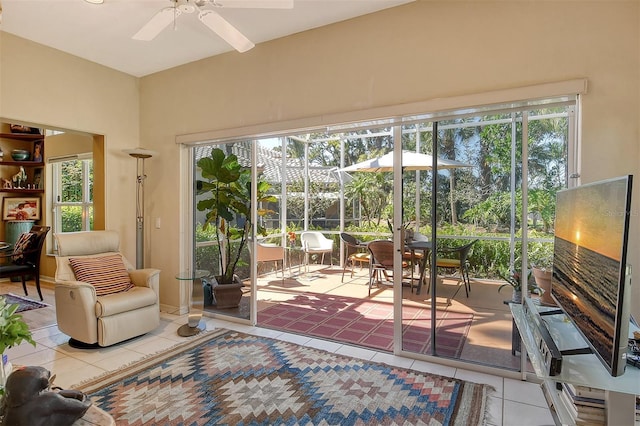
x=457, y=259
x=354, y=251
x=381, y=261
x=313, y=242
x=270, y=253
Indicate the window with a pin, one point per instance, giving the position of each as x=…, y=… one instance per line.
x=72, y=195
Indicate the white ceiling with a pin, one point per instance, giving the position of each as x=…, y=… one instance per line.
x=102, y=33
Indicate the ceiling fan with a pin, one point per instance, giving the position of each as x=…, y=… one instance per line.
x=209, y=17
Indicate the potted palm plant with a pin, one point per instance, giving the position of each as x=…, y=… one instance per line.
x=228, y=209
x=541, y=260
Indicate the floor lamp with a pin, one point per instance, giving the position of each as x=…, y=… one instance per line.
x=140, y=154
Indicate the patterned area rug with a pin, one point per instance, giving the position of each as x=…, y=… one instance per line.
x=232, y=378
x=368, y=323
x=24, y=303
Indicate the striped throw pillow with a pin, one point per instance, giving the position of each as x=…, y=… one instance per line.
x=106, y=273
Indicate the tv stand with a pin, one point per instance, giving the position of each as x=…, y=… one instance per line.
x=578, y=351
x=579, y=367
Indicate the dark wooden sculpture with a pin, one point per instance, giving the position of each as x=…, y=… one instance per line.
x=29, y=400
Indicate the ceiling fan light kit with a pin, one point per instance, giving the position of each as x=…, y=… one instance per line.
x=209, y=17
x=95, y=1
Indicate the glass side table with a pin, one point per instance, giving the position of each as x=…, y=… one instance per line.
x=291, y=251
x=194, y=324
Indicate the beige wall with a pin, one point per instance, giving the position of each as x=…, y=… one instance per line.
x=49, y=88
x=421, y=51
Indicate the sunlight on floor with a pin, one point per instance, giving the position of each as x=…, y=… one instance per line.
x=489, y=337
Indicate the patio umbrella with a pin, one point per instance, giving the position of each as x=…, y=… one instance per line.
x=410, y=161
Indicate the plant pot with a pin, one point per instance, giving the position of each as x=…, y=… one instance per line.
x=227, y=295
x=543, y=280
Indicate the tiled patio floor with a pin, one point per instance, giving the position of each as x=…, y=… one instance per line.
x=489, y=337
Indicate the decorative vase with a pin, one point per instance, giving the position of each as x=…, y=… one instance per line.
x=227, y=295
x=543, y=280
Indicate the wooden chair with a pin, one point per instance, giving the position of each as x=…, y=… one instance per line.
x=381, y=261
x=353, y=252
x=457, y=259
x=24, y=260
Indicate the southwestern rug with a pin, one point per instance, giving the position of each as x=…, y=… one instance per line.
x=367, y=323
x=231, y=378
x=24, y=304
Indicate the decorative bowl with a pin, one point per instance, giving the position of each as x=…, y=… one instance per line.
x=20, y=154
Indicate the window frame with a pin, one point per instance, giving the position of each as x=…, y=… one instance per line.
x=86, y=204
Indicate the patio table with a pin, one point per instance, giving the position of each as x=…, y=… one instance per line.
x=425, y=247
x=291, y=250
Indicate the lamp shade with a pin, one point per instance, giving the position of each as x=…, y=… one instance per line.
x=140, y=152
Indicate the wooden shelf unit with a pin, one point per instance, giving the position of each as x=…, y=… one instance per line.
x=8, y=166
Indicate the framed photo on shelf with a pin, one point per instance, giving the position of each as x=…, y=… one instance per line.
x=37, y=152
x=21, y=208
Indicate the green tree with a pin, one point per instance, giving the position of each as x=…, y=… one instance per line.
x=373, y=192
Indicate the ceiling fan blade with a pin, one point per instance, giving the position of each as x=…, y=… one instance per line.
x=159, y=22
x=255, y=4
x=225, y=30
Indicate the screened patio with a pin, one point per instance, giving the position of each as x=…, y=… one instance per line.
x=453, y=206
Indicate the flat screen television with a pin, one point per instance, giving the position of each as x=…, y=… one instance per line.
x=591, y=278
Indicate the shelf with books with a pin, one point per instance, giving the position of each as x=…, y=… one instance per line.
x=583, y=370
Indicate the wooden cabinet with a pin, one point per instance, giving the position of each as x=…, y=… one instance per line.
x=33, y=166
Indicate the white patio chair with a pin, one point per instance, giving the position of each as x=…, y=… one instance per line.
x=313, y=242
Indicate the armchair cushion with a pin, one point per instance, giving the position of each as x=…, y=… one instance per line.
x=24, y=243
x=117, y=303
x=106, y=273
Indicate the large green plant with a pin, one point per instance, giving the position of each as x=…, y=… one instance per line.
x=13, y=329
x=229, y=207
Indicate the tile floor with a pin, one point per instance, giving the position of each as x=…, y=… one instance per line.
x=513, y=403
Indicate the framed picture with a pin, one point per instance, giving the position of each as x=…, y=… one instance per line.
x=37, y=152
x=21, y=208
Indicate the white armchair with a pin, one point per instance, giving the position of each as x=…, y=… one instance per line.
x=118, y=304
x=314, y=242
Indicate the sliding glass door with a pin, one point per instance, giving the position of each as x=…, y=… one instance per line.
x=431, y=184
